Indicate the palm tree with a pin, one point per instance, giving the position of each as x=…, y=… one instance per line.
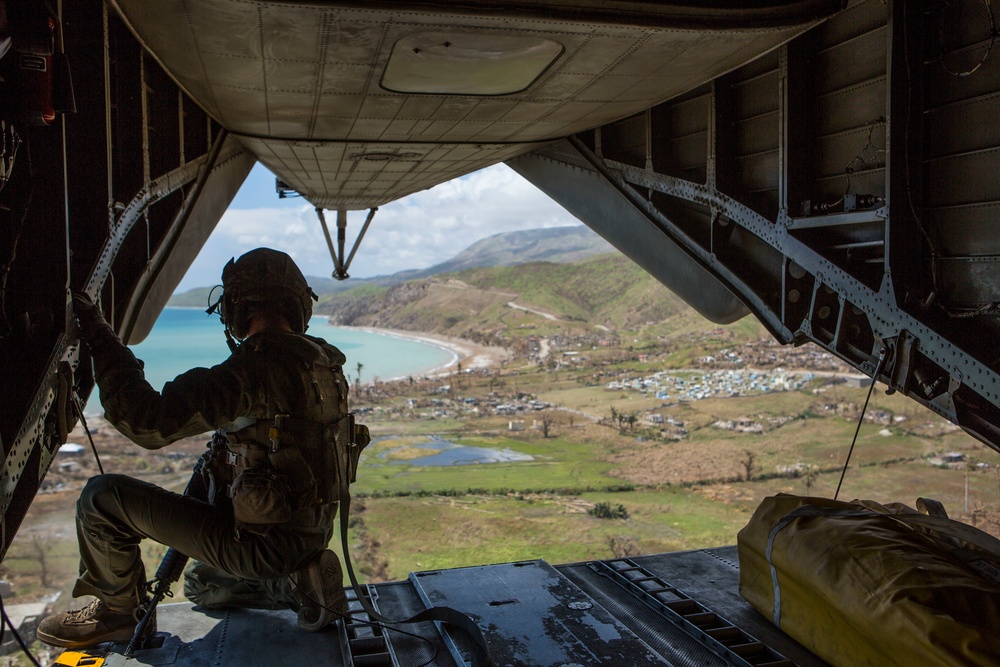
x=360, y=366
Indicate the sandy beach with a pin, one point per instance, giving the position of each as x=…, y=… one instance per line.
x=472, y=356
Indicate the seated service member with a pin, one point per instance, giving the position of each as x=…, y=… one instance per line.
x=273, y=404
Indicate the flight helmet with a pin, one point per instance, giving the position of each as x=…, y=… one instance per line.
x=264, y=281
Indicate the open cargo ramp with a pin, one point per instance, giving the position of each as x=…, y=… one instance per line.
x=679, y=609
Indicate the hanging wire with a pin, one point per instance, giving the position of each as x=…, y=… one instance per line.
x=78, y=408
x=5, y=623
x=986, y=54
x=861, y=417
x=10, y=141
x=931, y=245
x=867, y=157
x=991, y=309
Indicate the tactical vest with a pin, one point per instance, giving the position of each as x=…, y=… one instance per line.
x=276, y=464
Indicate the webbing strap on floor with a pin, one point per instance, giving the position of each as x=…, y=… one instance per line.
x=437, y=613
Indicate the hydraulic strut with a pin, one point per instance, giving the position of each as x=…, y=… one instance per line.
x=340, y=265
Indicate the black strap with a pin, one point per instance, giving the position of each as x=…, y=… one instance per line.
x=436, y=613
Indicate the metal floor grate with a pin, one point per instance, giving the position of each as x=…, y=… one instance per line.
x=716, y=633
x=362, y=642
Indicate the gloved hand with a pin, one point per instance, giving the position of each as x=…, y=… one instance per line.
x=88, y=314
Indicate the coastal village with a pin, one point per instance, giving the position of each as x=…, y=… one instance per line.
x=754, y=368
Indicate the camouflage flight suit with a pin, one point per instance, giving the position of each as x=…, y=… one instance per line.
x=271, y=373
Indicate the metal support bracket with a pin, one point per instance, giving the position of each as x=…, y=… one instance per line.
x=340, y=265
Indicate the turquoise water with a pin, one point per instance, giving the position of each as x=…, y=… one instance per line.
x=447, y=453
x=184, y=338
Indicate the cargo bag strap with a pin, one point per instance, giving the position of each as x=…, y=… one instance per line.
x=436, y=613
x=805, y=510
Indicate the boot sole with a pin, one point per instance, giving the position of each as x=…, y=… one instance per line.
x=324, y=584
x=117, y=635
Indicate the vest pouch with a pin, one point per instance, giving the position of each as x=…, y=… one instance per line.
x=362, y=438
x=290, y=464
x=260, y=499
x=334, y=458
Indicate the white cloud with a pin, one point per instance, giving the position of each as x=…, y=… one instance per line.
x=418, y=231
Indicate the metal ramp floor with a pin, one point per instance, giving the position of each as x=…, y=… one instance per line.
x=678, y=609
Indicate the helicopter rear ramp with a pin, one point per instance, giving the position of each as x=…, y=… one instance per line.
x=679, y=609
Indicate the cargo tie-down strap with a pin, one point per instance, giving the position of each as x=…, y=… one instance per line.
x=805, y=510
x=442, y=614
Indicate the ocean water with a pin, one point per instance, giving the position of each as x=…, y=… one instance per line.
x=184, y=338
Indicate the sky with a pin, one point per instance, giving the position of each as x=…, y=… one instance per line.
x=415, y=232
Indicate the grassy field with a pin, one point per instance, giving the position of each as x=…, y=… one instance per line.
x=435, y=532
x=687, y=494
x=559, y=463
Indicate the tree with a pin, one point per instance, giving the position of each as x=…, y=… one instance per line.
x=749, y=463
x=810, y=475
x=622, y=547
x=41, y=544
x=360, y=366
x=546, y=423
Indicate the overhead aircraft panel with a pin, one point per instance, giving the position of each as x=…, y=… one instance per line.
x=356, y=104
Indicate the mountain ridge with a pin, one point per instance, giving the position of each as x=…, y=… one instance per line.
x=554, y=244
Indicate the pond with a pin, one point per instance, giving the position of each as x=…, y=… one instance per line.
x=436, y=451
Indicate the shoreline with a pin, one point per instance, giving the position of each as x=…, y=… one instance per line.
x=471, y=356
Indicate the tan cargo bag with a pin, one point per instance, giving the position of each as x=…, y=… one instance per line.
x=864, y=584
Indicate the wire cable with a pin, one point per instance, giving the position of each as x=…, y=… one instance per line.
x=878, y=369
x=986, y=53
x=79, y=413
x=5, y=622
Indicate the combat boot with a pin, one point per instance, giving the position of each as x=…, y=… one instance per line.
x=319, y=586
x=94, y=624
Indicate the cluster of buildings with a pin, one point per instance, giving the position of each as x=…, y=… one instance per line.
x=445, y=406
x=756, y=424
x=769, y=353
x=675, y=386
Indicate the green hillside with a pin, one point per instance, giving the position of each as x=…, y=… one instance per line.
x=500, y=304
x=196, y=298
x=608, y=289
x=579, y=294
